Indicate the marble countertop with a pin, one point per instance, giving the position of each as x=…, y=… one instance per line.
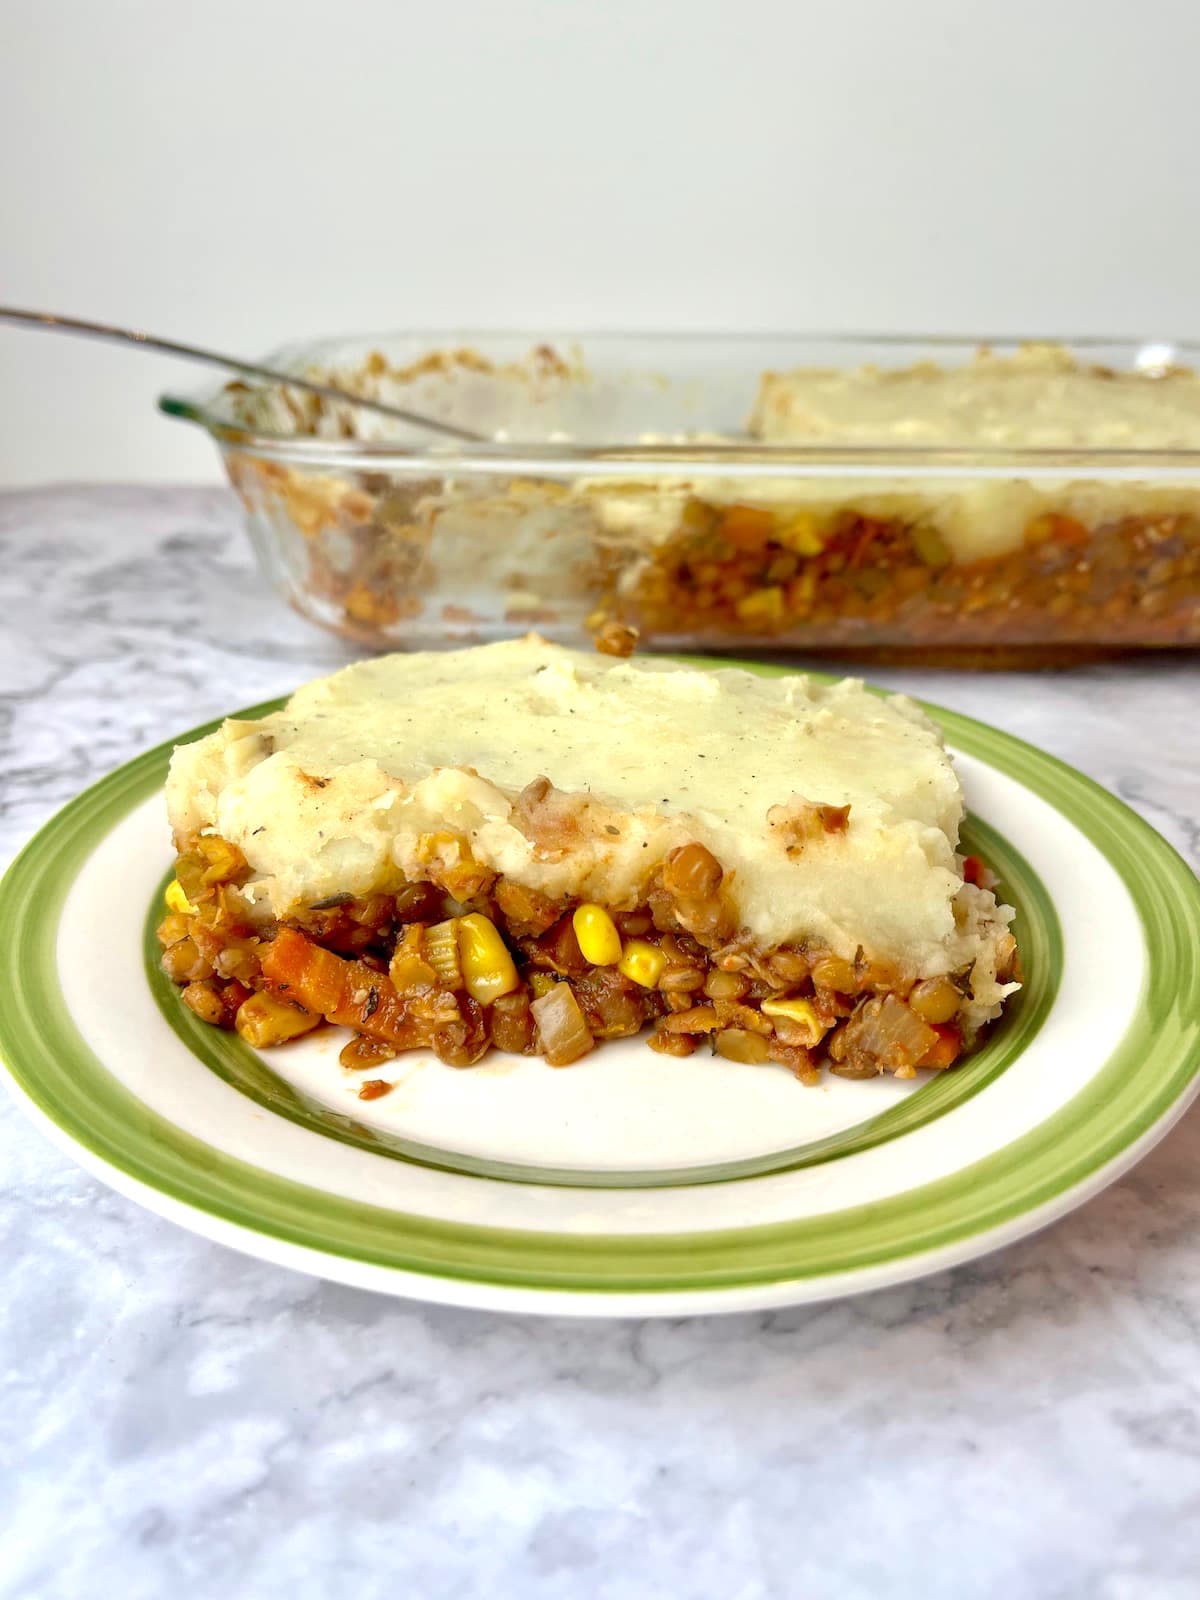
x=179, y=1420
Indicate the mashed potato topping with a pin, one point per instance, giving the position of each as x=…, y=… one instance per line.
x=366, y=776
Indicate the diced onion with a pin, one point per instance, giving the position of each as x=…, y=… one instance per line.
x=563, y=1035
x=887, y=1032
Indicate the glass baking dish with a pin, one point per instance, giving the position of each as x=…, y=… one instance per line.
x=621, y=480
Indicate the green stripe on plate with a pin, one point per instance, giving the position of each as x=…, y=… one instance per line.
x=1151, y=1070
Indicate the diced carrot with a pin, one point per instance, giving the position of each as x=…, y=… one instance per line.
x=946, y=1051
x=293, y=962
x=1055, y=527
x=373, y=1088
x=346, y=992
x=973, y=869
x=867, y=534
x=747, y=527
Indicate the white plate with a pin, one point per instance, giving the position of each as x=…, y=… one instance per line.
x=630, y=1182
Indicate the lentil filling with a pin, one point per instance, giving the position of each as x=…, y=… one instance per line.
x=840, y=578
x=467, y=961
x=849, y=579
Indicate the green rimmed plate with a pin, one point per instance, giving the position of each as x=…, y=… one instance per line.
x=632, y=1183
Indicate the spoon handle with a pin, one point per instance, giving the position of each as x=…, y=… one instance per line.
x=47, y=320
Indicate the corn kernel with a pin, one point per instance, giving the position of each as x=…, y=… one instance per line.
x=643, y=963
x=799, y=535
x=597, y=933
x=802, y=590
x=487, y=967
x=177, y=900
x=798, y=1011
x=761, y=605
x=264, y=1020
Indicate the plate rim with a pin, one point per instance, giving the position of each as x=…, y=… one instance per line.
x=717, y=1269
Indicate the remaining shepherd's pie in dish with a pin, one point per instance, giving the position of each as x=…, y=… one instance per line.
x=995, y=558
x=536, y=848
x=1021, y=499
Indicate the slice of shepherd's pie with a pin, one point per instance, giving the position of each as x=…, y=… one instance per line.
x=531, y=847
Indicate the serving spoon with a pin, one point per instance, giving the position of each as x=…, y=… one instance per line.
x=47, y=321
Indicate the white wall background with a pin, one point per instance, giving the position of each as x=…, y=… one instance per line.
x=245, y=171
